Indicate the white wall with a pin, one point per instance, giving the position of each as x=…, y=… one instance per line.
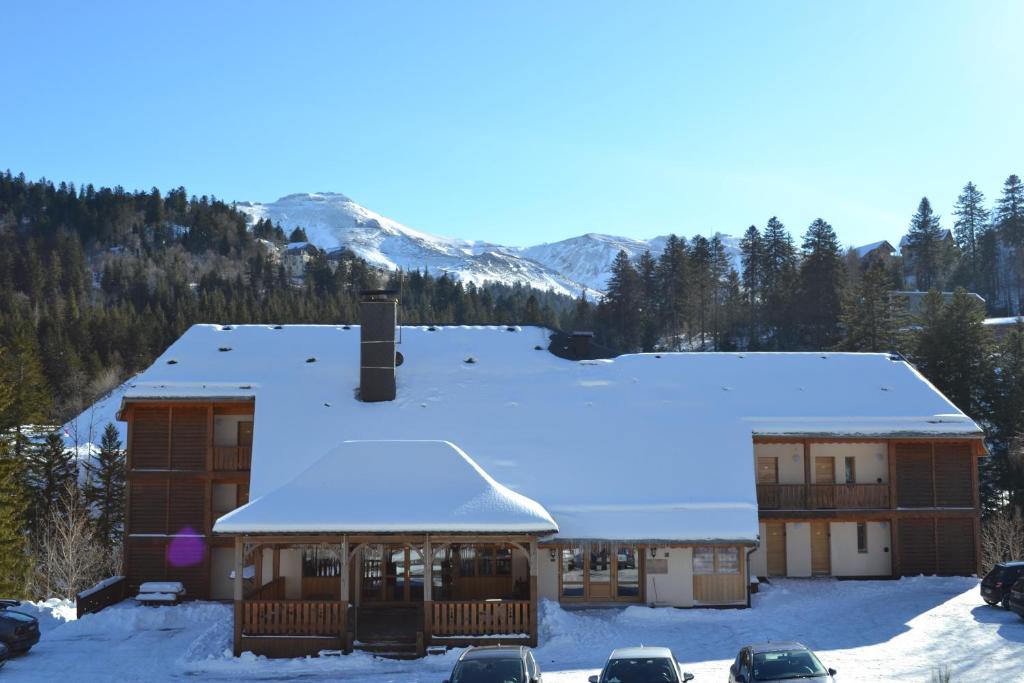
x=547, y=574
x=798, y=549
x=225, y=429
x=222, y=563
x=846, y=561
x=675, y=588
x=791, y=460
x=291, y=569
x=872, y=460
x=759, y=558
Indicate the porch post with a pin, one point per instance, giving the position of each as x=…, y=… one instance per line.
x=533, y=592
x=428, y=589
x=237, y=588
x=343, y=593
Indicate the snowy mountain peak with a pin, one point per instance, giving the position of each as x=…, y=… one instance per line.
x=332, y=220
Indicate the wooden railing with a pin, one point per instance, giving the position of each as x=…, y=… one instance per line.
x=105, y=593
x=480, y=618
x=232, y=458
x=822, y=496
x=292, y=618
x=272, y=590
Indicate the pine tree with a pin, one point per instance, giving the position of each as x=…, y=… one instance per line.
x=30, y=403
x=646, y=267
x=620, y=310
x=1009, y=212
x=822, y=273
x=1005, y=419
x=298, y=235
x=971, y=221
x=50, y=466
x=673, y=281
x=105, y=487
x=779, y=283
x=752, y=258
x=926, y=247
x=869, y=314
x=14, y=563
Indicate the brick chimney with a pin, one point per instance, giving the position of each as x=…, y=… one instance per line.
x=378, y=315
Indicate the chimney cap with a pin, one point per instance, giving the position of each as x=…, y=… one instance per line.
x=378, y=294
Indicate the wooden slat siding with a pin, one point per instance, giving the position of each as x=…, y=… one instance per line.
x=186, y=507
x=292, y=618
x=150, y=434
x=775, y=540
x=956, y=547
x=189, y=438
x=148, y=511
x=273, y=590
x=232, y=458
x=917, y=546
x=146, y=563
x=477, y=618
x=953, y=481
x=914, y=475
x=823, y=496
x=321, y=588
x=781, y=496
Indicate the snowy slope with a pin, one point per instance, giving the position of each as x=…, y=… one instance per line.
x=332, y=220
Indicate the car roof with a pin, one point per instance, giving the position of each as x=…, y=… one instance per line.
x=495, y=652
x=16, y=616
x=777, y=647
x=1015, y=563
x=642, y=651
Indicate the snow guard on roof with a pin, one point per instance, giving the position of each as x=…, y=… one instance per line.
x=391, y=487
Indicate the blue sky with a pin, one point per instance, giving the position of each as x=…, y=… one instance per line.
x=523, y=122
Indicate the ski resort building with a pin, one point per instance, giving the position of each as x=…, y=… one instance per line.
x=397, y=487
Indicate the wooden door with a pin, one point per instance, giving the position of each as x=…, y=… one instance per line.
x=245, y=434
x=775, y=542
x=821, y=562
x=599, y=572
x=767, y=470
x=825, y=469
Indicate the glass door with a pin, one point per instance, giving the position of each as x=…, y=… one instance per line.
x=599, y=572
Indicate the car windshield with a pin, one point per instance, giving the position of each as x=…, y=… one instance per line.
x=778, y=666
x=16, y=616
x=640, y=670
x=488, y=671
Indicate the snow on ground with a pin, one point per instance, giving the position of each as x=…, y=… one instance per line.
x=868, y=630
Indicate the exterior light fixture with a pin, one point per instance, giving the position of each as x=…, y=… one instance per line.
x=654, y=551
x=552, y=553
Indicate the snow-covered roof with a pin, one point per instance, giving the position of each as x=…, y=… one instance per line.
x=432, y=486
x=644, y=446
x=866, y=249
x=997, y=322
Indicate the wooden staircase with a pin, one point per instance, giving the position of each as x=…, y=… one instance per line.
x=390, y=632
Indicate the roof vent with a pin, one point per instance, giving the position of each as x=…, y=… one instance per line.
x=510, y=328
x=431, y=329
x=311, y=360
x=172, y=362
x=224, y=349
x=470, y=360
x=226, y=328
x=346, y=327
x=278, y=327
x=538, y=347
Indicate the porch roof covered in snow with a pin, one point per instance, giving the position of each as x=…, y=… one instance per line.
x=642, y=446
x=391, y=487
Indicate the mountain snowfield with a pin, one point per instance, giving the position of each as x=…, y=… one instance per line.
x=332, y=220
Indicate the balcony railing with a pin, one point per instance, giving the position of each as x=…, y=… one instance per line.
x=232, y=458
x=823, y=496
x=480, y=618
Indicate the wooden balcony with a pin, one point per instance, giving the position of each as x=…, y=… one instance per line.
x=232, y=458
x=293, y=618
x=823, y=496
x=480, y=618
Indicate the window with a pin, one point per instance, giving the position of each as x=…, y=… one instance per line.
x=627, y=572
x=862, y=537
x=711, y=560
x=767, y=470
x=483, y=560
x=704, y=560
x=572, y=571
x=851, y=470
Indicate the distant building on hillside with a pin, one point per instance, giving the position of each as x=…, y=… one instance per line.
x=912, y=302
x=297, y=256
x=1000, y=327
x=876, y=250
x=907, y=252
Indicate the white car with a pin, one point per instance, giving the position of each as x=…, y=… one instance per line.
x=642, y=665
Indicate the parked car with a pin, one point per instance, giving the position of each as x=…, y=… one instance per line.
x=995, y=587
x=18, y=631
x=496, y=664
x=1016, y=599
x=642, y=665
x=778, y=661
x=4, y=654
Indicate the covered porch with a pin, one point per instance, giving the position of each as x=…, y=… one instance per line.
x=323, y=569
x=390, y=594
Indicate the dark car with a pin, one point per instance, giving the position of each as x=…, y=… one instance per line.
x=1015, y=601
x=4, y=654
x=641, y=665
x=18, y=631
x=777, y=662
x=995, y=587
x=496, y=664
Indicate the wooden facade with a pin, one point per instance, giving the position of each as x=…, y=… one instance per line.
x=930, y=501
x=174, y=465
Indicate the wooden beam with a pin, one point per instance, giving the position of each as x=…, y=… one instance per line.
x=893, y=492
x=237, y=590
x=533, y=593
